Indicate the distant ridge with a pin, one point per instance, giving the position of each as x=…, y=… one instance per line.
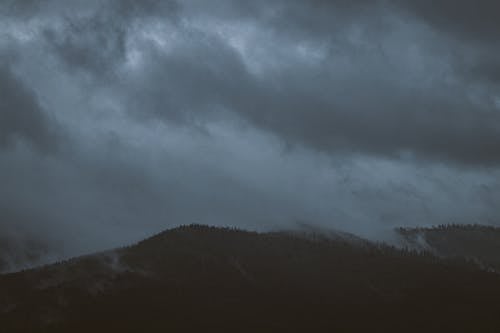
x=479, y=243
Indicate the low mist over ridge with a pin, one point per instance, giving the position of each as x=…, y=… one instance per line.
x=477, y=244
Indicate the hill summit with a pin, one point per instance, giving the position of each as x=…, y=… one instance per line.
x=199, y=277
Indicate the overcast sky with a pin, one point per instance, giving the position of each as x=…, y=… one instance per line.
x=119, y=119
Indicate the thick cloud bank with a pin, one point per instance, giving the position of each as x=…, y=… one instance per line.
x=122, y=118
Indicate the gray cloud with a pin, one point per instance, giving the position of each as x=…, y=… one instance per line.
x=360, y=105
x=353, y=115
x=471, y=29
x=95, y=42
x=21, y=116
x=476, y=21
x=363, y=98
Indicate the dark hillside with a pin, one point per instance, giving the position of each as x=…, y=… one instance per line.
x=203, y=278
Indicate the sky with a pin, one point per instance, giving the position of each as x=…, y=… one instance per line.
x=119, y=119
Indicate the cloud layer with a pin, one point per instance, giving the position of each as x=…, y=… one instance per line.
x=122, y=118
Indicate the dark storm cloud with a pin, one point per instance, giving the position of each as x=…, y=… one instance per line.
x=371, y=106
x=121, y=8
x=96, y=42
x=373, y=103
x=472, y=20
x=93, y=44
x=310, y=107
x=184, y=112
x=472, y=25
x=21, y=115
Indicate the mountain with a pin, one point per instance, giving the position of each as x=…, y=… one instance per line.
x=319, y=233
x=196, y=278
x=478, y=243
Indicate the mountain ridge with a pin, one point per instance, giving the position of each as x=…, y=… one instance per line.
x=478, y=243
x=186, y=277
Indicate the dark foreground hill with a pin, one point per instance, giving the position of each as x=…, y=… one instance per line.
x=199, y=278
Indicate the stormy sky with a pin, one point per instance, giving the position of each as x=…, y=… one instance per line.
x=119, y=119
